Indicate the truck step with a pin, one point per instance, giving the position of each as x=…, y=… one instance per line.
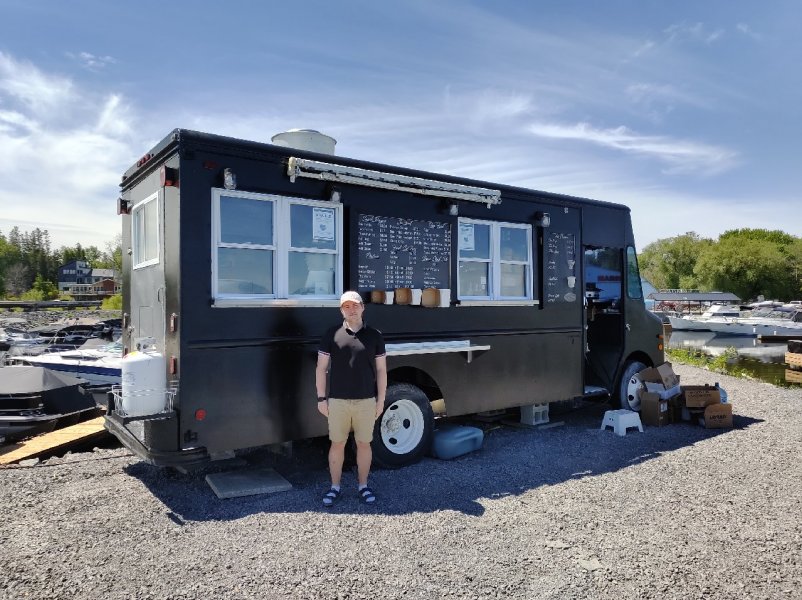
x=595, y=391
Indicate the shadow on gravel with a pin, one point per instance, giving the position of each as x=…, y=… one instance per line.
x=511, y=462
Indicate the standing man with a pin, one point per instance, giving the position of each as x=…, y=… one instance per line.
x=353, y=354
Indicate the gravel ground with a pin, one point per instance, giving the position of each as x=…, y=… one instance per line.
x=566, y=512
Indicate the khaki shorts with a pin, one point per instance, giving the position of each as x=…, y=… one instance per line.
x=348, y=415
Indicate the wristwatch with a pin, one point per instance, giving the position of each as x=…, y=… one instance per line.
x=321, y=398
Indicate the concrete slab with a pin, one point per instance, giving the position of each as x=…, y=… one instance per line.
x=229, y=463
x=233, y=484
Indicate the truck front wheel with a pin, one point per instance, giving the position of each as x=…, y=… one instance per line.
x=629, y=385
x=403, y=434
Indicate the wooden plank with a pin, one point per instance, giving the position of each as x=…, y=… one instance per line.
x=793, y=376
x=59, y=439
x=793, y=360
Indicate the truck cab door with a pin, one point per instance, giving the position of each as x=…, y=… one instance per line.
x=604, y=314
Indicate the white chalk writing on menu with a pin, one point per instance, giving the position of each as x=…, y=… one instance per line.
x=397, y=253
x=559, y=273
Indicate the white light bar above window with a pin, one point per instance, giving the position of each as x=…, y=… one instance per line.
x=301, y=167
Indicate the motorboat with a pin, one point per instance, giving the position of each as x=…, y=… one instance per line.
x=13, y=336
x=100, y=365
x=769, y=319
x=35, y=400
x=717, y=344
x=716, y=313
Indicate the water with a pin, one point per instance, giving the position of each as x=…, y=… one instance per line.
x=765, y=362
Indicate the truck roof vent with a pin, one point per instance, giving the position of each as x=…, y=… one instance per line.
x=305, y=139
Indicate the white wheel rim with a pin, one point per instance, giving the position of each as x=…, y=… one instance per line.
x=402, y=427
x=634, y=386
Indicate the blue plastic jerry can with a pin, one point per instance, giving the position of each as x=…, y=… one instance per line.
x=451, y=441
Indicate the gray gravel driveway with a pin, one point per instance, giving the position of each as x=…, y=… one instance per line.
x=566, y=512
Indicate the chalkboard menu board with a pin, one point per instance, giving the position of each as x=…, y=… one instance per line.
x=560, y=281
x=395, y=253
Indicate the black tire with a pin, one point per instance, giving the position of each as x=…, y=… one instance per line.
x=626, y=390
x=403, y=434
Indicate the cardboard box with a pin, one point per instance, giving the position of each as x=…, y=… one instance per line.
x=718, y=416
x=654, y=410
x=665, y=394
x=675, y=406
x=670, y=379
x=700, y=396
x=662, y=374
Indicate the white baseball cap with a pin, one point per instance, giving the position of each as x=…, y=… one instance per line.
x=350, y=297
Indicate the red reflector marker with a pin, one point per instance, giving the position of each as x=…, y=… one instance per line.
x=200, y=414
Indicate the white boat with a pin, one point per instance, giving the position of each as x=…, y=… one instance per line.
x=98, y=366
x=764, y=319
x=716, y=344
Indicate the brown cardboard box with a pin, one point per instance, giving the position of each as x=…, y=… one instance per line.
x=675, y=406
x=662, y=374
x=699, y=396
x=718, y=416
x=654, y=410
x=670, y=379
x=665, y=394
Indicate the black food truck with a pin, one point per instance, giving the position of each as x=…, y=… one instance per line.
x=235, y=254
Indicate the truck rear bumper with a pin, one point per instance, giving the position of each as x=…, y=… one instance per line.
x=160, y=458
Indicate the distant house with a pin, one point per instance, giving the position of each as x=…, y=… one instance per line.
x=74, y=272
x=82, y=282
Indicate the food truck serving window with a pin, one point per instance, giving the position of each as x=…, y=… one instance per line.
x=269, y=247
x=145, y=232
x=495, y=260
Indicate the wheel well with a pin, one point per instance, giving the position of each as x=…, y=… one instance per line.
x=418, y=378
x=640, y=357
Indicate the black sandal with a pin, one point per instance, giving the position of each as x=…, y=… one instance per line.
x=331, y=497
x=367, y=496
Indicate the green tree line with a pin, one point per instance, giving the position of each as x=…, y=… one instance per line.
x=29, y=265
x=747, y=262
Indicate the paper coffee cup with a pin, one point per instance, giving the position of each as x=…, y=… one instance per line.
x=416, y=296
x=388, y=297
x=445, y=297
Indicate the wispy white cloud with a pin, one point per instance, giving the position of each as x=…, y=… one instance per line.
x=91, y=61
x=748, y=31
x=681, y=156
x=61, y=164
x=694, y=31
x=649, y=93
x=21, y=82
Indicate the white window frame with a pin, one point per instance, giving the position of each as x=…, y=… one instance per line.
x=495, y=262
x=281, y=247
x=138, y=207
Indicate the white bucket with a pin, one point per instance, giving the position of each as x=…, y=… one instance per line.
x=416, y=296
x=388, y=297
x=445, y=297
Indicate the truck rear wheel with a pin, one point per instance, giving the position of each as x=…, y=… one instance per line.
x=403, y=434
x=629, y=386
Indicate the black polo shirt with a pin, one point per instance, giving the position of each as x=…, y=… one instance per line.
x=352, y=370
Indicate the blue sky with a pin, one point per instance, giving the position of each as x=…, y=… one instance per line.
x=686, y=111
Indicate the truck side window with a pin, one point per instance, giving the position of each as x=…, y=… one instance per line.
x=495, y=260
x=270, y=246
x=634, y=287
x=145, y=232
